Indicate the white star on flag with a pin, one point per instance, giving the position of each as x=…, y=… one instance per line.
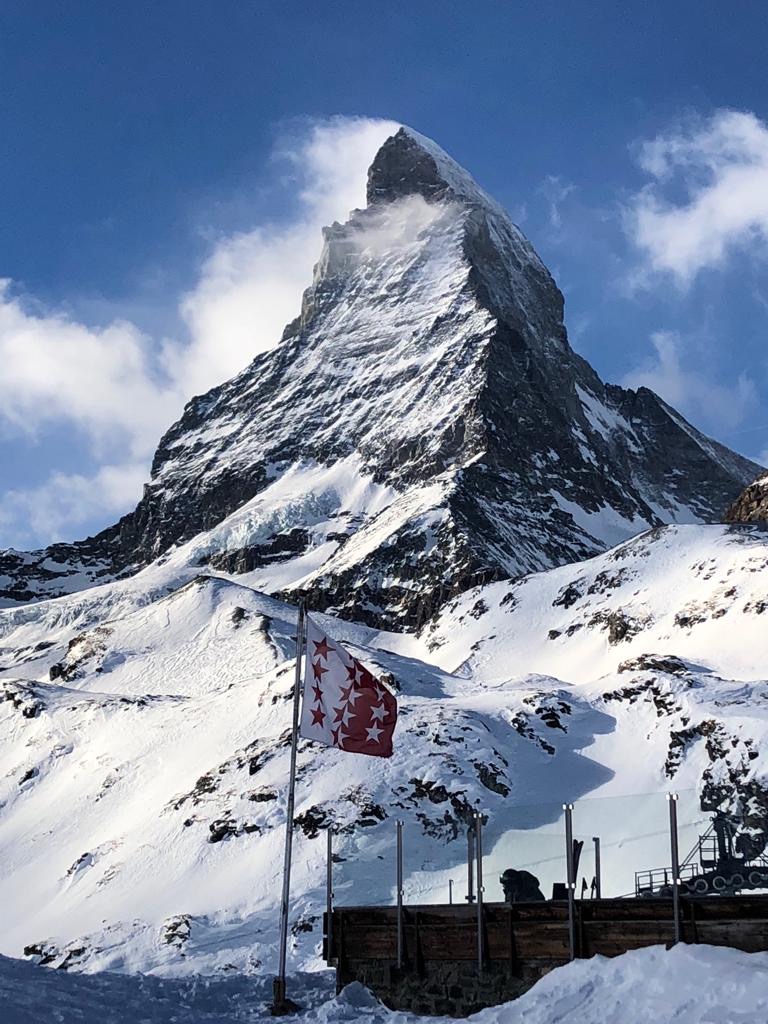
x=343, y=704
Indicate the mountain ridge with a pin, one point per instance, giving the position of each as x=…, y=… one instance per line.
x=430, y=360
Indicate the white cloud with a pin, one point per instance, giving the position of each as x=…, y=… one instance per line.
x=66, y=501
x=120, y=388
x=555, y=191
x=718, y=406
x=57, y=370
x=251, y=284
x=718, y=169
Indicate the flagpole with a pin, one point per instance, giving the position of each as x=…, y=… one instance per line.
x=280, y=1003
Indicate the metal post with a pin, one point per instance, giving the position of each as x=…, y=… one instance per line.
x=568, y=808
x=598, y=889
x=672, y=798
x=399, y=894
x=471, y=864
x=280, y=1003
x=329, y=894
x=450, y=892
x=479, y=851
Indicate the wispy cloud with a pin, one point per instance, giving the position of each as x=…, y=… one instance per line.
x=707, y=197
x=52, y=509
x=120, y=388
x=673, y=372
x=555, y=191
x=251, y=284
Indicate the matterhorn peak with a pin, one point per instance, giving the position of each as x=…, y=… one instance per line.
x=423, y=426
x=409, y=163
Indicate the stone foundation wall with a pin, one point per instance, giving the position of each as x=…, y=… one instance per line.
x=452, y=988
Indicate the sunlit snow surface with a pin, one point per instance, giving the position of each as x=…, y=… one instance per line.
x=142, y=781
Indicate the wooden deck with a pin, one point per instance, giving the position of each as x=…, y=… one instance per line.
x=441, y=973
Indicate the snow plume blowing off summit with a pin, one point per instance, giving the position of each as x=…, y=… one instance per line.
x=118, y=386
x=422, y=426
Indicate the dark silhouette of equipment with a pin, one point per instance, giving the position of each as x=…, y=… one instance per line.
x=723, y=862
x=520, y=887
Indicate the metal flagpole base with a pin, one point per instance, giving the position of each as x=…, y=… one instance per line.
x=281, y=1006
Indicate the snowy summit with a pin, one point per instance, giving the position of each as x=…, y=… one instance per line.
x=423, y=426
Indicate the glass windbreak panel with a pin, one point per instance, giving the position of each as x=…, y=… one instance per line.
x=434, y=864
x=525, y=857
x=622, y=845
x=365, y=865
x=525, y=851
x=629, y=835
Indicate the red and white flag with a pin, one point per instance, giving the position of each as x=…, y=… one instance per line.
x=344, y=705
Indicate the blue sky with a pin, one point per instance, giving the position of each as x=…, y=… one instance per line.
x=165, y=168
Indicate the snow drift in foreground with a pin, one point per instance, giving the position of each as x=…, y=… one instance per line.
x=685, y=985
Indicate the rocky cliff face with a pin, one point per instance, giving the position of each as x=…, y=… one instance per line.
x=752, y=504
x=423, y=426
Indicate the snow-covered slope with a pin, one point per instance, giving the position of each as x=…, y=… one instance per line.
x=144, y=727
x=423, y=426
x=698, y=593
x=667, y=632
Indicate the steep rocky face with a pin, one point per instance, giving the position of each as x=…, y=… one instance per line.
x=424, y=424
x=58, y=569
x=752, y=504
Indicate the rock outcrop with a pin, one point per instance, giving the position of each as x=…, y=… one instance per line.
x=752, y=504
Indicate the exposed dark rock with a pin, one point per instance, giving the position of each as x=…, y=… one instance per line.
x=452, y=822
x=277, y=549
x=306, y=923
x=313, y=821
x=23, y=696
x=618, y=623
x=568, y=596
x=752, y=504
x=260, y=796
x=668, y=663
x=651, y=691
x=87, y=649
x=521, y=724
x=549, y=708
x=176, y=931
x=48, y=954
x=491, y=775
x=228, y=827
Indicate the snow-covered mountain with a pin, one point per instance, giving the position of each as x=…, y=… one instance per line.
x=144, y=733
x=423, y=426
x=426, y=457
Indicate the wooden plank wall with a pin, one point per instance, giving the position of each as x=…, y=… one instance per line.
x=538, y=932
